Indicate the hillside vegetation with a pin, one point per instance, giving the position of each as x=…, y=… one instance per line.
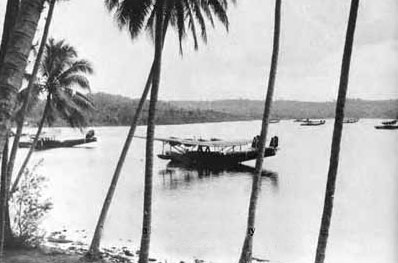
x=284, y=109
x=116, y=110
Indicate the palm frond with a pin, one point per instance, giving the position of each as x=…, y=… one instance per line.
x=132, y=14
x=191, y=24
x=111, y=4
x=83, y=101
x=75, y=80
x=150, y=24
x=206, y=9
x=57, y=56
x=68, y=108
x=179, y=22
x=219, y=10
x=80, y=66
x=199, y=17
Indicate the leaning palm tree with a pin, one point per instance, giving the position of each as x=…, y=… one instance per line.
x=25, y=102
x=155, y=16
x=14, y=58
x=9, y=22
x=337, y=132
x=27, y=93
x=62, y=74
x=246, y=254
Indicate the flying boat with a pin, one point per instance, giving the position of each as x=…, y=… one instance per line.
x=213, y=152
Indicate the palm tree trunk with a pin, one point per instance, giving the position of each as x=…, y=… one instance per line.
x=246, y=254
x=3, y=198
x=93, y=252
x=9, y=22
x=337, y=132
x=32, y=147
x=15, y=60
x=147, y=213
x=32, y=80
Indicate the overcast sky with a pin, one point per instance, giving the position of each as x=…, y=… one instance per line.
x=236, y=64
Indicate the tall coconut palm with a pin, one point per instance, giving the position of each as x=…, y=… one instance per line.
x=337, y=132
x=14, y=61
x=9, y=22
x=156, y=16
x=61, y=75
x=246, y=254
x=32, y=79
x=26, y=101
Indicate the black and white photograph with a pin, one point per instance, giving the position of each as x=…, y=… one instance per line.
x=198, y=131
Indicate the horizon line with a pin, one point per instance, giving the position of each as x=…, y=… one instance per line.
x=243, y=99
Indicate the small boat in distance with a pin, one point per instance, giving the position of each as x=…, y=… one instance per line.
x=309, y=122
x=45, y=143
x=274, y=121
x=388, y=125
x=213, y=152
x=350, y=120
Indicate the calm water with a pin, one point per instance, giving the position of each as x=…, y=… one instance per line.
x=202, y=214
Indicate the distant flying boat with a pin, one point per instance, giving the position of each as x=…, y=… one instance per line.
x=309, y=122
x=45, y=143
x=388, y=125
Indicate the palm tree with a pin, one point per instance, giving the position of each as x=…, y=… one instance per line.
x=14, y=5
x=61, y=74
x=155, y=16
x=9, y=22
x=93, y=252
x=26, y=101
x=337, y=132
x=246, y=254
x=17, y=37
x=15, y=60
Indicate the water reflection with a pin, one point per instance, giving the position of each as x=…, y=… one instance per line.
x=180, y=175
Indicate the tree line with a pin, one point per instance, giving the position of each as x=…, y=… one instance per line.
x=115, y=110
x=290, y=109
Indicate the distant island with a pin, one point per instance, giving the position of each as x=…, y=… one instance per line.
x=116, y=110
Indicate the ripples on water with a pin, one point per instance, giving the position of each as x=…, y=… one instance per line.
x=177, y=175
x=202, y=213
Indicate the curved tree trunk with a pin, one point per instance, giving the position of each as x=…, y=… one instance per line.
x=3, y=198
x=32, y=80
x=32, y=147
x=246, y=254
x=15, y=60
x=147, y=213
x=93, y=252
x=337, y=132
